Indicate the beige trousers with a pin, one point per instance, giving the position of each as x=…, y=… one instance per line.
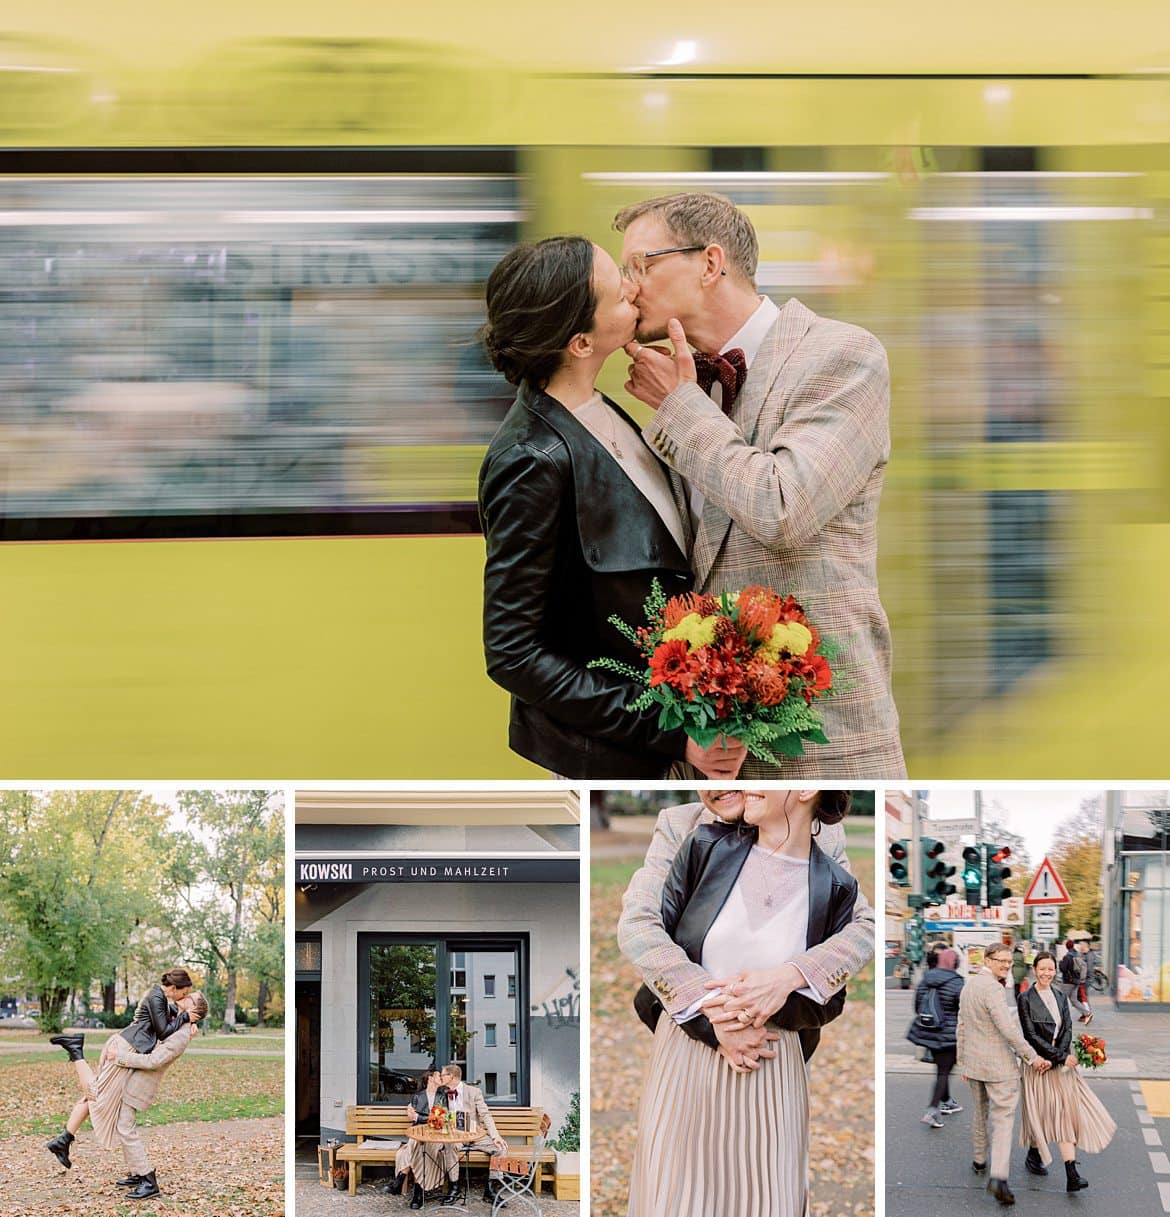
x=133, y=1150
x=995, y=1105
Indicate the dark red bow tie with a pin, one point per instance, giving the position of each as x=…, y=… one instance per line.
x=729, y=369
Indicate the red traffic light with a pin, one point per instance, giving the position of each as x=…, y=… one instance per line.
x=1001, y=855
x=935, y=848
x=898, y=851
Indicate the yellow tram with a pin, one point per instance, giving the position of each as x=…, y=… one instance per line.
x=242, y=411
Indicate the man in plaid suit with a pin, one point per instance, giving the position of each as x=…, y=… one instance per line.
x=681, y=985
x=784, y=467
x=990, y=1039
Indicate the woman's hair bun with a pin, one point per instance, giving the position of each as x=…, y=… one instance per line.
x=833, y=805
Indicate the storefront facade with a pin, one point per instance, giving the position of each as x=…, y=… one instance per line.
x=421, y=943
x=1138, y=897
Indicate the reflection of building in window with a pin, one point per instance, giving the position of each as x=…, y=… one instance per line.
x=489, y=1035
x=511, y=985
x=1138, y=903
x=489, y=1085
x=512, y=1033
x=489, y=986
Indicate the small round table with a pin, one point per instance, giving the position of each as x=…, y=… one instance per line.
x=425, y=1135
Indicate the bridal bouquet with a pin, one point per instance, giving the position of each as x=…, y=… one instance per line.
x=746, y=664
x=441, y=1120
x=1090, y=1051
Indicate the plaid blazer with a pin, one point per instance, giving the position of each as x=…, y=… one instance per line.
x=990, y=1038
x=670, y=975
x=792, y=481
x=147, y=1068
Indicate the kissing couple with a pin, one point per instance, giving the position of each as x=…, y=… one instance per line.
x=130, y=1071
x=761, y=465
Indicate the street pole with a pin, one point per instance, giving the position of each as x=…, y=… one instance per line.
x=979, y=846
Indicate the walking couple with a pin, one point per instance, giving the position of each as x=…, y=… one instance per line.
x=128, y=1076
x=1057, y=1104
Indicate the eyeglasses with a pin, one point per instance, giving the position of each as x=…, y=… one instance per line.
x=635, y=269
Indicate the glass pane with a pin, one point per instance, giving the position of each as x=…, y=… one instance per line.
x=485, y=1005
x=309, y=955
x=402, y=1018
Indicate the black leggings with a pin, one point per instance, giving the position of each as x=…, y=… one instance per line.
x=944, y=1062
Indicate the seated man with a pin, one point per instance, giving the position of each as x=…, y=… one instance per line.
x=470, y=1101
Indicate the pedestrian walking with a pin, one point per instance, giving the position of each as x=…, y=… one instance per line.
x=1057, y=1105
x=935, y=1027
x=989, y=1041
x=1072, y=976
x=1019, y=968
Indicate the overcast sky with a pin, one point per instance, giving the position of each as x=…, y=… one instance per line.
x=1033, y=814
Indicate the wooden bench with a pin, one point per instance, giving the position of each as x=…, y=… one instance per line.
x=517, y=1125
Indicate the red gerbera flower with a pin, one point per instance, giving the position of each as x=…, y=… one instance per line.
x=670, y=664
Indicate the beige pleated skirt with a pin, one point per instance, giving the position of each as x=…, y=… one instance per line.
x=1059, y=1106
x=431, y=1164
x=713, y=1143
x=109, y=1086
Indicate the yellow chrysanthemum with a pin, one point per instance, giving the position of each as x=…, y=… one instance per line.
x=694, y=630
x=788, y=636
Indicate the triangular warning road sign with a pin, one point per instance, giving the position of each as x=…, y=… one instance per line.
x=1047, y=887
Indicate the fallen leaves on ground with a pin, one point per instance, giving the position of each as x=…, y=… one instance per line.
x=841, y=1150
x=234, y=1168
x=38, y=1091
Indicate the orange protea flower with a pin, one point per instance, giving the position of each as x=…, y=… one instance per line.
x=670, y=665
x=766, y=682
x=678, y=607
x=759, y=610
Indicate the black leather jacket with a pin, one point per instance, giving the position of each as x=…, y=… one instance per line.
x=570, y=541
x=1037, y=1025
x=421, y=1104
x=155, y=1019
x=701, y=878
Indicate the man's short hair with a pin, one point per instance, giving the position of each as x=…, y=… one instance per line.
x=996, y=948
x=199, y=1006
x=697, y=218
x=455, y=1070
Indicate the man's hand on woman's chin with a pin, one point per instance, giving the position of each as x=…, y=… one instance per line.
x=723, y=759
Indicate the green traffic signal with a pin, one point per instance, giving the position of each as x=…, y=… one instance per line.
x=972, y=873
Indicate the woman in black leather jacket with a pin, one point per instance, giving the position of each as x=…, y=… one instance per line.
x=739, y=897
x=157, y=1017
x=571, y=537
x=1056, y=1105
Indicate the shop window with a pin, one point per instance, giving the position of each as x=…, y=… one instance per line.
x=413, y=1010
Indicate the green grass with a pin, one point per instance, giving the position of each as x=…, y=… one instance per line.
x=240, y=1107
x=602, y=873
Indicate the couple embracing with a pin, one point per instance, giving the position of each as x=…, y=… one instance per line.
x=744, y=924
x=128, y=1076
x=761, y=466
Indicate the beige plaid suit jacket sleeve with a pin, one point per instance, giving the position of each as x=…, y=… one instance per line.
x=675, y=980
x=148, y=1067
x=989, y=1038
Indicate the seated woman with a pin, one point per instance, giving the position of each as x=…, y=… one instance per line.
x=579, y=516
x=741, y=898
x=429, y=1168
x=102, y=1091
x=1056, y=1105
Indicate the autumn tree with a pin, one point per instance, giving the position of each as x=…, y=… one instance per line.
x=232, y=848
x=1076, y=854
x=77, y=876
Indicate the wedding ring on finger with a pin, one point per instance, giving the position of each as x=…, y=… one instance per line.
x=744, y=1017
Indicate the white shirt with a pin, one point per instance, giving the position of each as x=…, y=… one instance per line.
x=455, y=1101
x=749, y=338
x=637, y=461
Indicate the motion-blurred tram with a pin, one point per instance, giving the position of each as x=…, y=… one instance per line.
x=242, y=407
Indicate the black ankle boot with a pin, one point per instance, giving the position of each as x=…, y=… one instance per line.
x=1000, y=1190
x=1074, y=1182
x=452, y=1192
x=73, y=1044
x=147, y=1189
x=491, y=1189
x=59, y=1148
x=416, y=1200
x=395, y=1186
x=1033, y=1164
x=129, y=1181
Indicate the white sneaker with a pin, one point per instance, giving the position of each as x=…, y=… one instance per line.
x=949, y=1107
x=932, y=1118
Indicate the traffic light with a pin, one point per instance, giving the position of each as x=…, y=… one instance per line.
x=997, y=873
x=916, y=939
x=972, y=873
x=935, y=872
x=899, y=869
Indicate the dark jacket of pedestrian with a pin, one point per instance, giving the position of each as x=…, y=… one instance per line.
x=948, y=985
x=1019, y=968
